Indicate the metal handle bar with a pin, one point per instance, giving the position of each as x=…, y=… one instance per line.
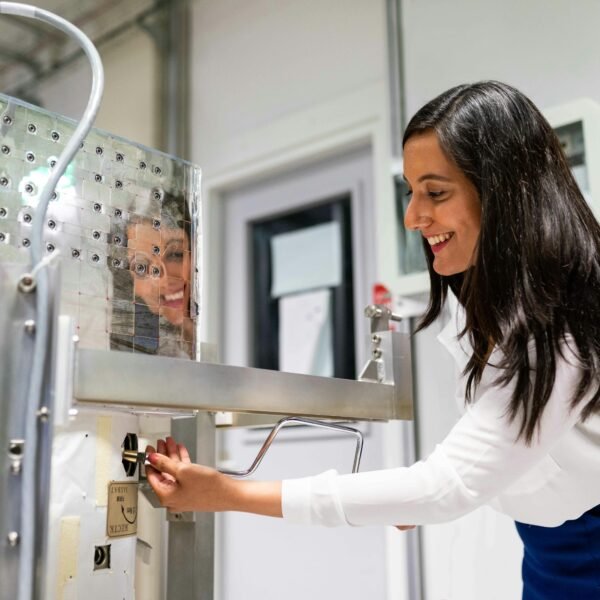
x=312, y=423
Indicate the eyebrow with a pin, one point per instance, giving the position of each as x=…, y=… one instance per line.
x=433, y=176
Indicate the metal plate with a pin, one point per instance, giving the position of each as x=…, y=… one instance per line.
x=121, y=518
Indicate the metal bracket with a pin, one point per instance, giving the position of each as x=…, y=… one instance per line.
x=304, y=421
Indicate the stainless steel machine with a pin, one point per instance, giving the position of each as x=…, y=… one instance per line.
x=99, y=324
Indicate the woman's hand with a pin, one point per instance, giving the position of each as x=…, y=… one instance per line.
x=182, y=486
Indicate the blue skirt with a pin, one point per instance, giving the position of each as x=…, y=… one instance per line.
x=560, y=563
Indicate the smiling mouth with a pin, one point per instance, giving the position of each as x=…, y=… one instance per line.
x=439, y=242
x=173, y=300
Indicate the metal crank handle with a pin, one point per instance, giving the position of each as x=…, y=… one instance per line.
x=305, y=421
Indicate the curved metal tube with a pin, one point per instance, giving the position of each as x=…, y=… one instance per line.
x=305, y=421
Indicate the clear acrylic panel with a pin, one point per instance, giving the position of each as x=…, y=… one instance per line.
x=125, y=222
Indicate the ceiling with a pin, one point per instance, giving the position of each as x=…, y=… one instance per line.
x=31, y=51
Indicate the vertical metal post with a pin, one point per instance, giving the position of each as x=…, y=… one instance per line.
x=190, y=563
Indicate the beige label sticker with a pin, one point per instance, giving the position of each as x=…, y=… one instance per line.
x=121, y=518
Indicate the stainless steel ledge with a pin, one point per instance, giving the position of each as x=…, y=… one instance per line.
x=151, y=382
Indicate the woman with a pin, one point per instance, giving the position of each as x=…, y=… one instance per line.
x=506, y=229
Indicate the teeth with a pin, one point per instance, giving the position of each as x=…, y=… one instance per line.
x=175, y=296
x=438, y=239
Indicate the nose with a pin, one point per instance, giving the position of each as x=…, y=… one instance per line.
x=416, y=216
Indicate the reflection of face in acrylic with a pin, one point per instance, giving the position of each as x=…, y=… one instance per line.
x=159, y=260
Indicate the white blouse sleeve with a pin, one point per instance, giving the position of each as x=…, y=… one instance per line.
x=478, y=459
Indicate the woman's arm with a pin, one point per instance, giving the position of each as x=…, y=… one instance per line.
x=183, y=486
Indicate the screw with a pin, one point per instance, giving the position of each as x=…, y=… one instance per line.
x=118, y=212
x=99, y=151
x=29, y=326
x=117, y=239
x=3, y=181
x=31, y=128
x=2, y=237
x=51, y=224
x=5, y=149
x=155, y=271
x=118, y=184
x=27, y=283
x=156, y=224
x=120, y=157
x=55, y=136
x=27, y=218
x=2, y=212
x=157, y=195
x=376, y=339
x=116, y=262
x=155, y=250
x=95, y=258
x=54, y=195
x=157, y=170
x=30, y=156
x=96, y=235
x=29, y=188
x=98, y=178
x=7, y=120
x=43, y=414
x=75, y=253
x=13, y=538
x=97, y=207
x=140, y=269
x=52, y=163
x=26, y=243
x=376, y=353
x=142, y=165
x=50, y=247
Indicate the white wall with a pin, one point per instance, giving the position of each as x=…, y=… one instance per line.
x=130, y=103
x=547, y=48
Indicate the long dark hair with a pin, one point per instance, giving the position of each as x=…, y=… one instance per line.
x=536, y=275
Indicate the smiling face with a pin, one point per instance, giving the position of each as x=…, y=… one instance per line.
x=160, y=265
x=444, y=204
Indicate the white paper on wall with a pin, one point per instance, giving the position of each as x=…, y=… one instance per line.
x=305, y=333
x=306, y=259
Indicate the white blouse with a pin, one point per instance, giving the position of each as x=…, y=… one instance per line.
x=555, y=479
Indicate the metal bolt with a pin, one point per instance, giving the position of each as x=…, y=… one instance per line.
x=373, y=311
x=2, y=212
x=31, y=128
x=376, y=353
x=29, y=188
x=43, y=414
x=157, y=195
x=52, y=163
x=116, y=263
x=376, y=339
x=55, y=136
x=156, y=224
x=75, y=253
x=26, y=243
x=51, y=224
x=54, y=195
x=29, y=326
x=155, y=250
x=157, y=170
x=2, y=237
x=140, y=269
x=96, y=235
x=5, y=149
x=3, y=181
x=15, y=447
x=30, y=156
x=117, y=239
x=142, y=165
x=155, y=271
x=7, y=120
x=118, y=184
x=13, y=538
x=27, y=218
x=50, y=247
x=15, y=467
x=27, y=283
x=118, y=212
x=99, y=151
x=95, y=258
x=97, y=207
x=120, y=157
x=98, y=178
